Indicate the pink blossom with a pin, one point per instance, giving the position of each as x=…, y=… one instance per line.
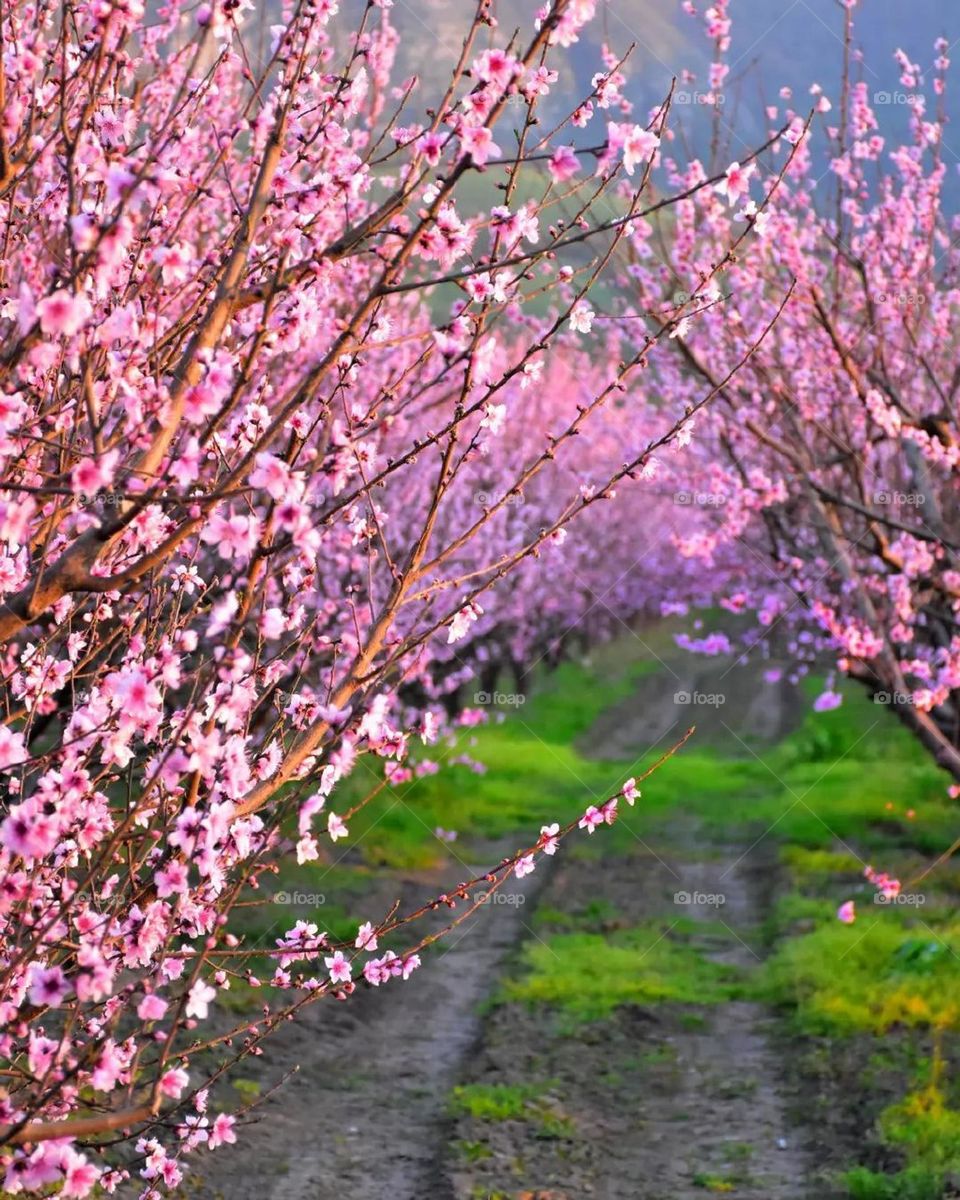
x=366, y=937
x=79, y=1175
x=307, y=849
x=639, y=146
x=339, y=967
x=222, y=1131
x=630, y=791
x=496, y=66
x=549, y=839
x=375, y=971
x=609, y=811
x=173, y=1082
x=151, y=1008
x=591, y=819
x=63, y=313
x=48, y=986
x=477, y=141
x=13, y=750
x=199, y=1000
x=563, y=164
x=91, y=475
x=109, y=1068
x=736, y=182
x=28, y=833
x=462, y=621
x=847, y=912
x=336, y=827
x=581, y=317
x=759, y=220
x=524, y=866
x=273, y=475
x=172, y=880
x=431, y=147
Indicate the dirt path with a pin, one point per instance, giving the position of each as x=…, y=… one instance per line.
x=728, y=1074
x=650, y=1104
x=659, y=1102
x=737, y=708
x=361, y=1115
x=654, y=1102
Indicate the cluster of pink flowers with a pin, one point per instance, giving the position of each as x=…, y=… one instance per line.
x=887, y=889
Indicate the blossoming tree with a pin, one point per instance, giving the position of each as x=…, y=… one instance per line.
x=821, y=491
x=287, y=393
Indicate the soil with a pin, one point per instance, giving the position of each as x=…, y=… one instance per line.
x=735, y=708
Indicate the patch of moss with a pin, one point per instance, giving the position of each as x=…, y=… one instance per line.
x=845, y=979
x=512, y=1102
x=925, y=1126
x=588, y=975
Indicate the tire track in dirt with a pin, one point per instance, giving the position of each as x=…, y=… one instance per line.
x=729, y=1078
x=366, y=1113
x=663, y=1102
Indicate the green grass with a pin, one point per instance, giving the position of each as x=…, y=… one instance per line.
x=926, y=1127
x=585, y=976
x=512, y=1102
x=718, y=1184
x=868, y=977
x=926, y=1130
x=533, y=774
x=915, y=1183
x=847, y=788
